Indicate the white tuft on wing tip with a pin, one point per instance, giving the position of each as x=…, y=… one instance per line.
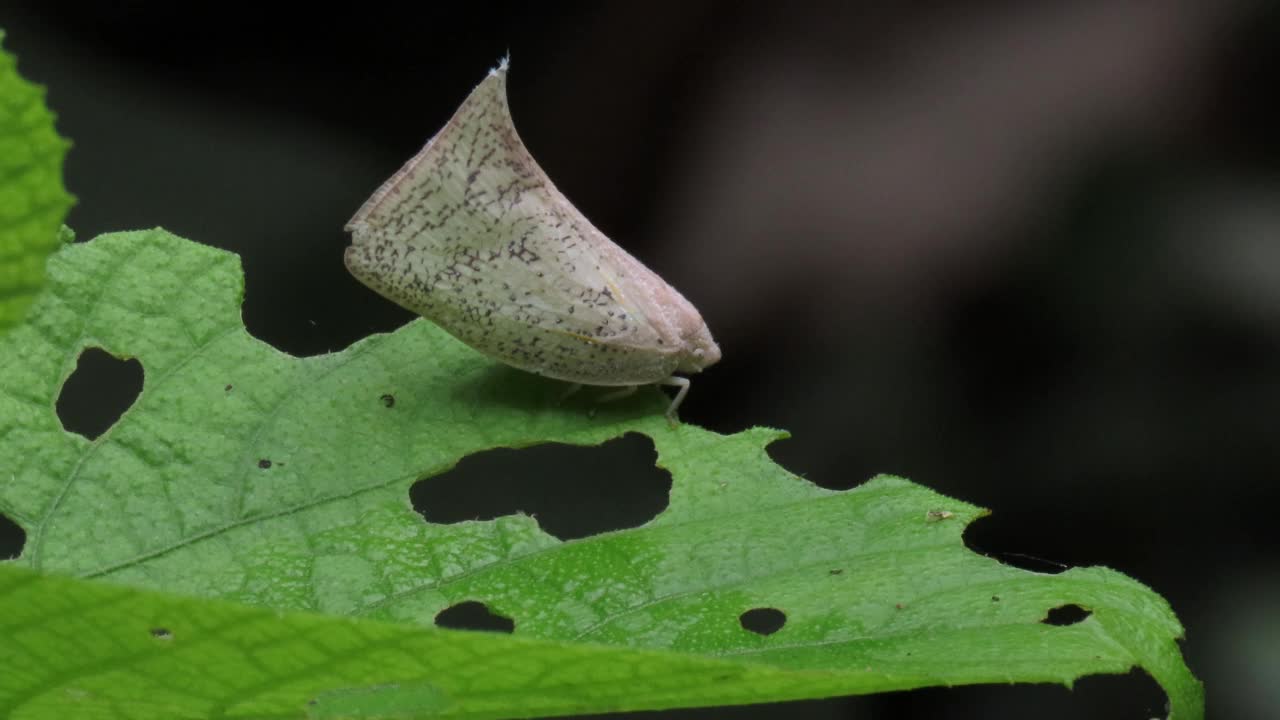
x=503, y=64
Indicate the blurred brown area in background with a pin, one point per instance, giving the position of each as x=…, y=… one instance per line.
x=1027, y=254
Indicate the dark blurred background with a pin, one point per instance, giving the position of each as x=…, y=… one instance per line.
x=1025, y=254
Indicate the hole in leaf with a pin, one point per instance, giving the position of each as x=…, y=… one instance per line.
x=388, y=400
x=990, y=532
x=473, y=615
x=792, y=456
x=160, y=633
x=763, y=621
x=1065, y=615
x=99, y=391
x=12, y=538
x=574, y=492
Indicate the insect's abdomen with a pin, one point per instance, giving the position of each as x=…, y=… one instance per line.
x=566, y=357
x=520, y=335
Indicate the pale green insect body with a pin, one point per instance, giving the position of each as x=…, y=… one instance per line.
x=472, y=235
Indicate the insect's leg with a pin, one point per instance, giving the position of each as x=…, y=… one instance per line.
x=618, y=394
x=573, y=388
x=683, y=384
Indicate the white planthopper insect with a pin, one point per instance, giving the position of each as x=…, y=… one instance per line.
x=472, y=235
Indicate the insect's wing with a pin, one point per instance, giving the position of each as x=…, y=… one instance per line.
x=471, y=234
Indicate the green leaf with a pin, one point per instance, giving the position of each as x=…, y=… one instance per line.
x=87, y=650
x=33, y=202
x=878, y=590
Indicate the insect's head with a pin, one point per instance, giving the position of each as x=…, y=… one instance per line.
x=700, y=351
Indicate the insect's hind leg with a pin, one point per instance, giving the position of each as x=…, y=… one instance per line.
x=567, y=392
x=620, y=393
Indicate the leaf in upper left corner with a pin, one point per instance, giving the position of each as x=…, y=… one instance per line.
x=33, y=201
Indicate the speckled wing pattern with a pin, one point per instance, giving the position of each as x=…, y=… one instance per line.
x=472, y=235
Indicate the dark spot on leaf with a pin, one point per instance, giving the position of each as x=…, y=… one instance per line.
x=835, y=571
x=899, y=606
x=389, y=400
x=227, y=388
x=763, y=621
x=12, y=538
x=264, y=463
x=1065, y=615
x=160, y=633
x=995, y=598
x=473, y=615
x=99, y=391
x=574, y=492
